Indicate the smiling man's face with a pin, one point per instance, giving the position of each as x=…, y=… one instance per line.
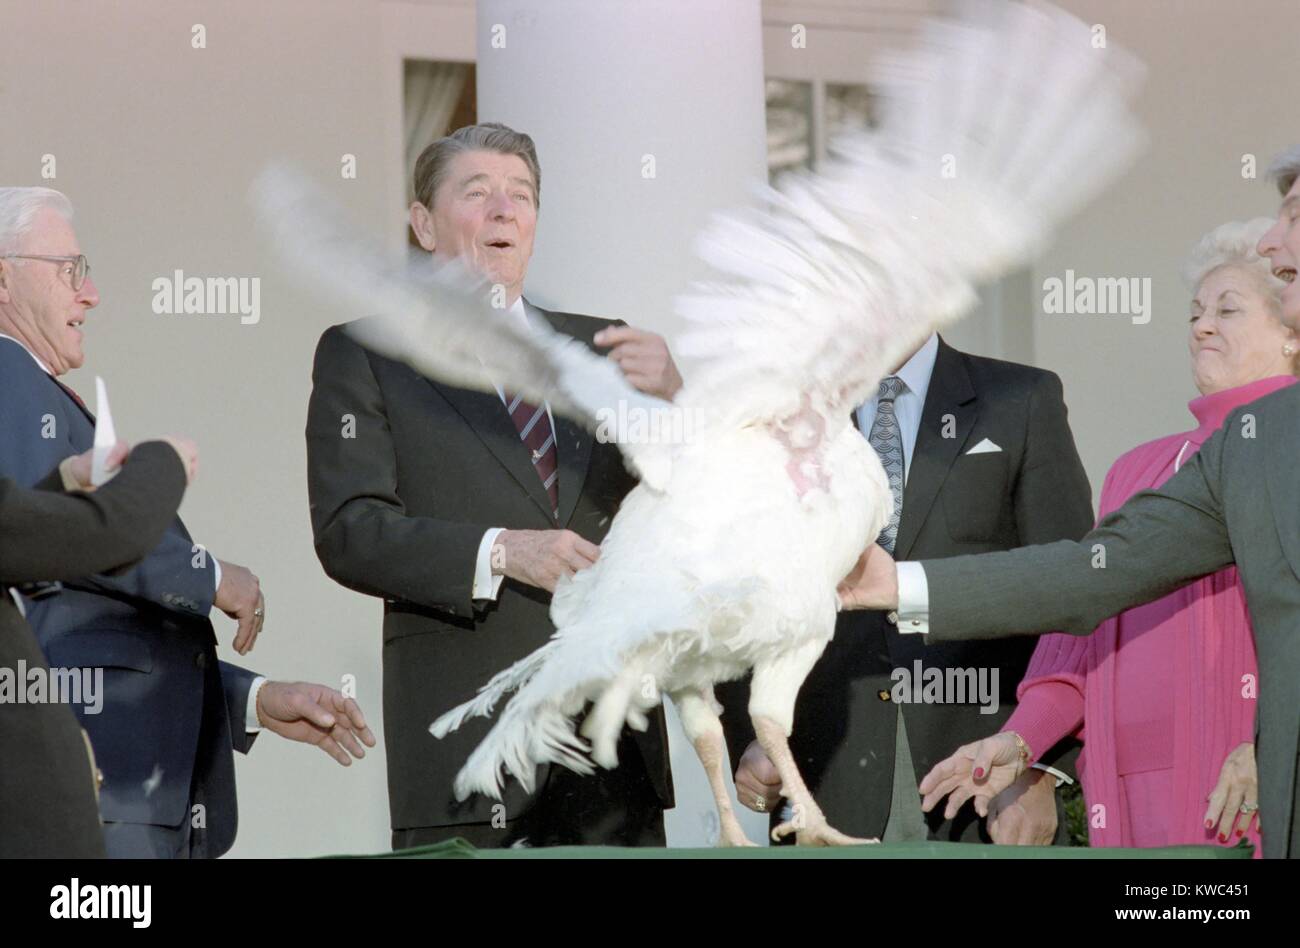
x=1282, y=247
x=486, y=211
x=38, y=305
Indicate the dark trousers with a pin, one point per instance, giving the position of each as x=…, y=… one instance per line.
x=616, y=807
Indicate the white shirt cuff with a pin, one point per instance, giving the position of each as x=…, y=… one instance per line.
x=251, y=724
x=486, y=585
x=216, y=566
x=913, y=598
x=1061, y=778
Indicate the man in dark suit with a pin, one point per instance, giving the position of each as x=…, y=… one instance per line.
x=462, y=509
x=47, y=788
x=985, y=452
x=171, y=713
x=1237, y=501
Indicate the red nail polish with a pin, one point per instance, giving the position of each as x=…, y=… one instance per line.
x=1209, y=824
x=979, y=773
x=1222, y=838
x=1241, y=832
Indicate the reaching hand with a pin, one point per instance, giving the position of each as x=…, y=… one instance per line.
x=315, y=714
x=540, y=557
x=978, y=771
x=1024, y=814
x=872, y=583
x=644, y=358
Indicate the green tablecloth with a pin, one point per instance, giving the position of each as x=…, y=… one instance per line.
x=459, y=849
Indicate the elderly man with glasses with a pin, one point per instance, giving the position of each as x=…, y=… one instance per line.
x=170, y=713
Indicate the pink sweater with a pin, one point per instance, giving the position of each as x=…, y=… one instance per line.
x=1169, y=685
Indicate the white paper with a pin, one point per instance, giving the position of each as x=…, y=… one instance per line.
x=105, y=436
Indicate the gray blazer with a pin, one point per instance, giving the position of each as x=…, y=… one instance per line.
x=1236, y=501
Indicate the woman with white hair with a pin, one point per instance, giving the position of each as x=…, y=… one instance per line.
x=1163, y=695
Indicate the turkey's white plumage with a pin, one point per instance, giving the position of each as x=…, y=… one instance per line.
x=727, y=555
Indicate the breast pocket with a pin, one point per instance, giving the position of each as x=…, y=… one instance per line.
x=975, y=501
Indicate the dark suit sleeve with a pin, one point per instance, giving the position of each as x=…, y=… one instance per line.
x=54, y=536
x=235, y=682
x=1158, y=541
x=364, y=537
x=173, y=575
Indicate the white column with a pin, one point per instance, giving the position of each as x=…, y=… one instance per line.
x=648, y=117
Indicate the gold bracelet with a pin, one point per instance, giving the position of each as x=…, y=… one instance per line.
x=1023, y=748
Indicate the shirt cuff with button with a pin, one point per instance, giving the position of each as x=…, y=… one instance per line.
x=486, y=585
x=913, y=598
x=251, y=724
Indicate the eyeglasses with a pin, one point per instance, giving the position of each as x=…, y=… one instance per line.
x=80, y=268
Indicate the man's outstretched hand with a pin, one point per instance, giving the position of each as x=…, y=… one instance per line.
x=315, y=714
x=872, y=583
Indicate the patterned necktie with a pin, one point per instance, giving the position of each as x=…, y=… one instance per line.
x=887, y=439
x=534, y=427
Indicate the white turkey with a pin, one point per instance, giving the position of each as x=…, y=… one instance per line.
x=726, y=557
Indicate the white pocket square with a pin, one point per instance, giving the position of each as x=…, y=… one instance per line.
x=984, y=447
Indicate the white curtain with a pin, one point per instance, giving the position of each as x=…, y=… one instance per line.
x=432, y=91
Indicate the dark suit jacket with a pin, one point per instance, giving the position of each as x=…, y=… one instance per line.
x=845, y=726
x=1237, y=500
x=47, y=800
x=399, y=509
x=147, y=627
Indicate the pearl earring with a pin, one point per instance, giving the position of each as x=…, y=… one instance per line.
x=1288, y=351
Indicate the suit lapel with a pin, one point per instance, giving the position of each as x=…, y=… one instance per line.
x=950, y=393
x=572, y=441
x=76, y=401
x=484, y=413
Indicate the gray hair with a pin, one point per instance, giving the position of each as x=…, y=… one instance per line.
x=1233, y=245
x=19, y=207
x=1285, y=169
x=431, y=166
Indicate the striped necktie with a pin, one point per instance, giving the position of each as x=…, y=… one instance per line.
x=534, y=427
